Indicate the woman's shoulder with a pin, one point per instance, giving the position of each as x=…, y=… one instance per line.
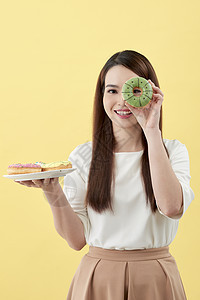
x=84, y=147
x=80, y=158
x=81, y=153
x=175, y=146
x=172, y=143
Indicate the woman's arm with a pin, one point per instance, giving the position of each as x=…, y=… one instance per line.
x=66, y=222
x=166, y=187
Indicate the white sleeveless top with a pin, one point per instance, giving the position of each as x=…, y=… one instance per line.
x=133, y=225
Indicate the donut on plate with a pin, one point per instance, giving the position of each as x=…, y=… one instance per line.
x=54, y=165
x=137, y=91
x=23, y=168
x=20, y=168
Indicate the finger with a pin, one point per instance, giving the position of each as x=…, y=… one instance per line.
x=155, y=88
x=151, y=82
x=157, y=97
x=26, y=183
x=22, y=181
x=37, y=182
x=46, y=181
x=55, y=180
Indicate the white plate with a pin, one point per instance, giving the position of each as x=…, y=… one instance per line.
x=40, y=175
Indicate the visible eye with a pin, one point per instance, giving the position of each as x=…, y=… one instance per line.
x=136, y=91
x=111, y=90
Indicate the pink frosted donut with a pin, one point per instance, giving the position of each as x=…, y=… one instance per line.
x=23, y=168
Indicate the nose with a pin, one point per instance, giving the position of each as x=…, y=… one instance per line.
x=121, y=101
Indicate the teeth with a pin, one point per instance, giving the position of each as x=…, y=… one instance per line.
x=123, y=112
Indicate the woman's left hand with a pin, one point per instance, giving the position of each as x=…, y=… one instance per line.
x=149, y=116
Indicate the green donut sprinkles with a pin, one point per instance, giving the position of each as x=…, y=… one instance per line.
x=137, y=91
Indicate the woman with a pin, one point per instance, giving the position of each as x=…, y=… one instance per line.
x=127, y=194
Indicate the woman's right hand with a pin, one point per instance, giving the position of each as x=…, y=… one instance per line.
x=47, y=184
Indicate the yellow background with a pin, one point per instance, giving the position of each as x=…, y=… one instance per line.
x=51, y=54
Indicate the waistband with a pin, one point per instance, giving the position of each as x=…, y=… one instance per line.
x=129, y=255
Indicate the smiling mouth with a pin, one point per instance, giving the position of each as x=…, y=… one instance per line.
x=123, y=113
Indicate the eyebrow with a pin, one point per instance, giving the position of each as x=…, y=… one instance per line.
x=112, y=85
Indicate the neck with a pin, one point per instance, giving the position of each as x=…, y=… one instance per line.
x=128, y=139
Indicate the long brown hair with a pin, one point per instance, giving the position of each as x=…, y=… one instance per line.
x=101, y=174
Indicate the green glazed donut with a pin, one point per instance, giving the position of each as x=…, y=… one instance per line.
x=137, y=91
